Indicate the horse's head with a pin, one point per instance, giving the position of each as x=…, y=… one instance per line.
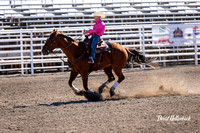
x=50, y=44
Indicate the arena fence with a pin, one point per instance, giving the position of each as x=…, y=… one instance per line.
x=27, y=14
x=20, y=50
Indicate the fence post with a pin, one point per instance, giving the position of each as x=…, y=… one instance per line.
x=32, y=66
x=143, y=44
x=22, y=53
x=195, y=50
x=140, y=32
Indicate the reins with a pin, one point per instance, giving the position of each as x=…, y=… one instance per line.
x=67, y=46
x=70, y=64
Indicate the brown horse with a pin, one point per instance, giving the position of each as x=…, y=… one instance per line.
x=114, y=60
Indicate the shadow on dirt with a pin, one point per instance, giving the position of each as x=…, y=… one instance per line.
x=75, y=102
x=69, y=102
x=20, y=106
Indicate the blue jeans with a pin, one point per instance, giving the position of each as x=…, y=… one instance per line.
x=95, y=39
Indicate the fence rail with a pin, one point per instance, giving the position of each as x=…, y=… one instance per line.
x=20, y=50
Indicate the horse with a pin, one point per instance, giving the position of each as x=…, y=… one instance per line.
x=114, y=60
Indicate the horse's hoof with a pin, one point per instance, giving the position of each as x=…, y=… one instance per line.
x=92, y=96
x=100, y=90
x=112, y=93
x=80, y=93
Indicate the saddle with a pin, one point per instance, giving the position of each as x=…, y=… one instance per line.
x=102, y=46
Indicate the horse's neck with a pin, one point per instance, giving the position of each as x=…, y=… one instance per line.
x=73, y=50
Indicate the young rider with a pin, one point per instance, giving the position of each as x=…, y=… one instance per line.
x=97, y=31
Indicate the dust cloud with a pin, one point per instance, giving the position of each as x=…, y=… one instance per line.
x=158, y=86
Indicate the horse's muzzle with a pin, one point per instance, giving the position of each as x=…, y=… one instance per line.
x=45, y=51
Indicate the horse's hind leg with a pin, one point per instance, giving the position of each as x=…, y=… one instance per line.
x=73, y=76
x=121, y=77
x=108, y=72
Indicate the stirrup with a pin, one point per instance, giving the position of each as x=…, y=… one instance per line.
x=91, y=61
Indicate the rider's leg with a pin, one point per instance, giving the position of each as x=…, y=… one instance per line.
x=95, y=40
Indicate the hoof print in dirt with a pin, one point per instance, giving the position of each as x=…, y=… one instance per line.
x=92, y=96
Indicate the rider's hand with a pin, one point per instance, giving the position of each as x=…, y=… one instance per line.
x=85, y=33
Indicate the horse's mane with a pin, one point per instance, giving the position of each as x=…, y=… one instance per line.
x=79, y=43
x=68, y=38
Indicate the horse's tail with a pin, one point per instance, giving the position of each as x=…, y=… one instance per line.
x=135, y=56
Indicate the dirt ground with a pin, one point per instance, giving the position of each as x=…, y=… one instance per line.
x=45, y=103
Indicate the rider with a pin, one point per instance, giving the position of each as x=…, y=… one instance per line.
x=97, y=31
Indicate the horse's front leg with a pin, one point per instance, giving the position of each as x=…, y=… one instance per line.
x=73, y=76
x=92, y=96
x=84, y=76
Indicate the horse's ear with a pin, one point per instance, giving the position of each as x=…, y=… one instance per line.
x=56, y=31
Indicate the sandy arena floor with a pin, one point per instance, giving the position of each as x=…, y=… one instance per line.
x=45, y=103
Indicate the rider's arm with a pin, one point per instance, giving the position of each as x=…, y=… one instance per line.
x=95, y=30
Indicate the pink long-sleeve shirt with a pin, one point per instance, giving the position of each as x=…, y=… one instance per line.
x=98, y=28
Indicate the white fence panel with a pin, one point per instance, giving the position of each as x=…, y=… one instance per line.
x=20, y=50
